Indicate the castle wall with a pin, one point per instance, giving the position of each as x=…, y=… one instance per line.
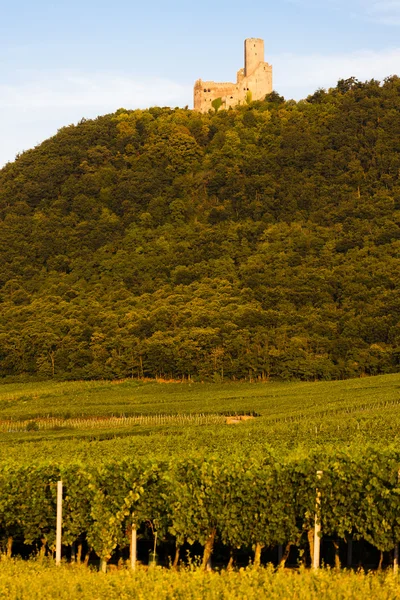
x=256, y=77
x=260, y=81
x=207, y=91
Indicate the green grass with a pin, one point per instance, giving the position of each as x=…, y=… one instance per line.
x=100, y=398
x=41, y=580
x=81, y=420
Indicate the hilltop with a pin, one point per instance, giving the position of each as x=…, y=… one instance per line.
x=250, y=243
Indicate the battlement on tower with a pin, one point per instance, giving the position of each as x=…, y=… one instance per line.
x=255, y=78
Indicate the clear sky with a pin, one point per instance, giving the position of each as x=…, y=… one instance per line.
x=63, y=60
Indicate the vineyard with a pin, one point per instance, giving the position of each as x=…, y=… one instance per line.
x=87, y=421
x=243, y=503
x=225, y=472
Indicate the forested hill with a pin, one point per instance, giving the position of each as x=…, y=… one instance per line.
x=256, y=242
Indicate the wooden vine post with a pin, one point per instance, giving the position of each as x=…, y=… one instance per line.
x=133, y=548
x=317, y=529
x=59, y=521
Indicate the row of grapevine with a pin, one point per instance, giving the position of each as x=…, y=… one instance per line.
x=48, y=423
x=243, y=503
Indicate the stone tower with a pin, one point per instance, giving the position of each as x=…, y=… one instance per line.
x=253, y=55
x=256, y=78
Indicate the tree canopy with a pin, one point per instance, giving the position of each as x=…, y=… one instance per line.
x=250, y=243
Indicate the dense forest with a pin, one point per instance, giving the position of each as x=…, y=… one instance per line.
x=250, y=243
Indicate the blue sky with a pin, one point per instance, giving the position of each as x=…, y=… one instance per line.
x=61, y=61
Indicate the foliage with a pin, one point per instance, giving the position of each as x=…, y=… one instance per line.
x=35, y=580
x=216, y=104
x=245, y=502
x=251, y=243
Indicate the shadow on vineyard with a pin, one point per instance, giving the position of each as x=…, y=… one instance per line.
x=354, y=555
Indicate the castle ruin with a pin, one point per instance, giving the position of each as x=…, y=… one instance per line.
x=254, y=82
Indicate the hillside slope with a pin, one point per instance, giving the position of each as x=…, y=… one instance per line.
x=258, y=242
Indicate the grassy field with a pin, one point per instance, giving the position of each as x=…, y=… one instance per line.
x=35, y=580
x=65, y=421
x=129, y=397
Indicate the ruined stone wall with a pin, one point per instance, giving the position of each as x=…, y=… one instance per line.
x=207, y=91
x=256, y=77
